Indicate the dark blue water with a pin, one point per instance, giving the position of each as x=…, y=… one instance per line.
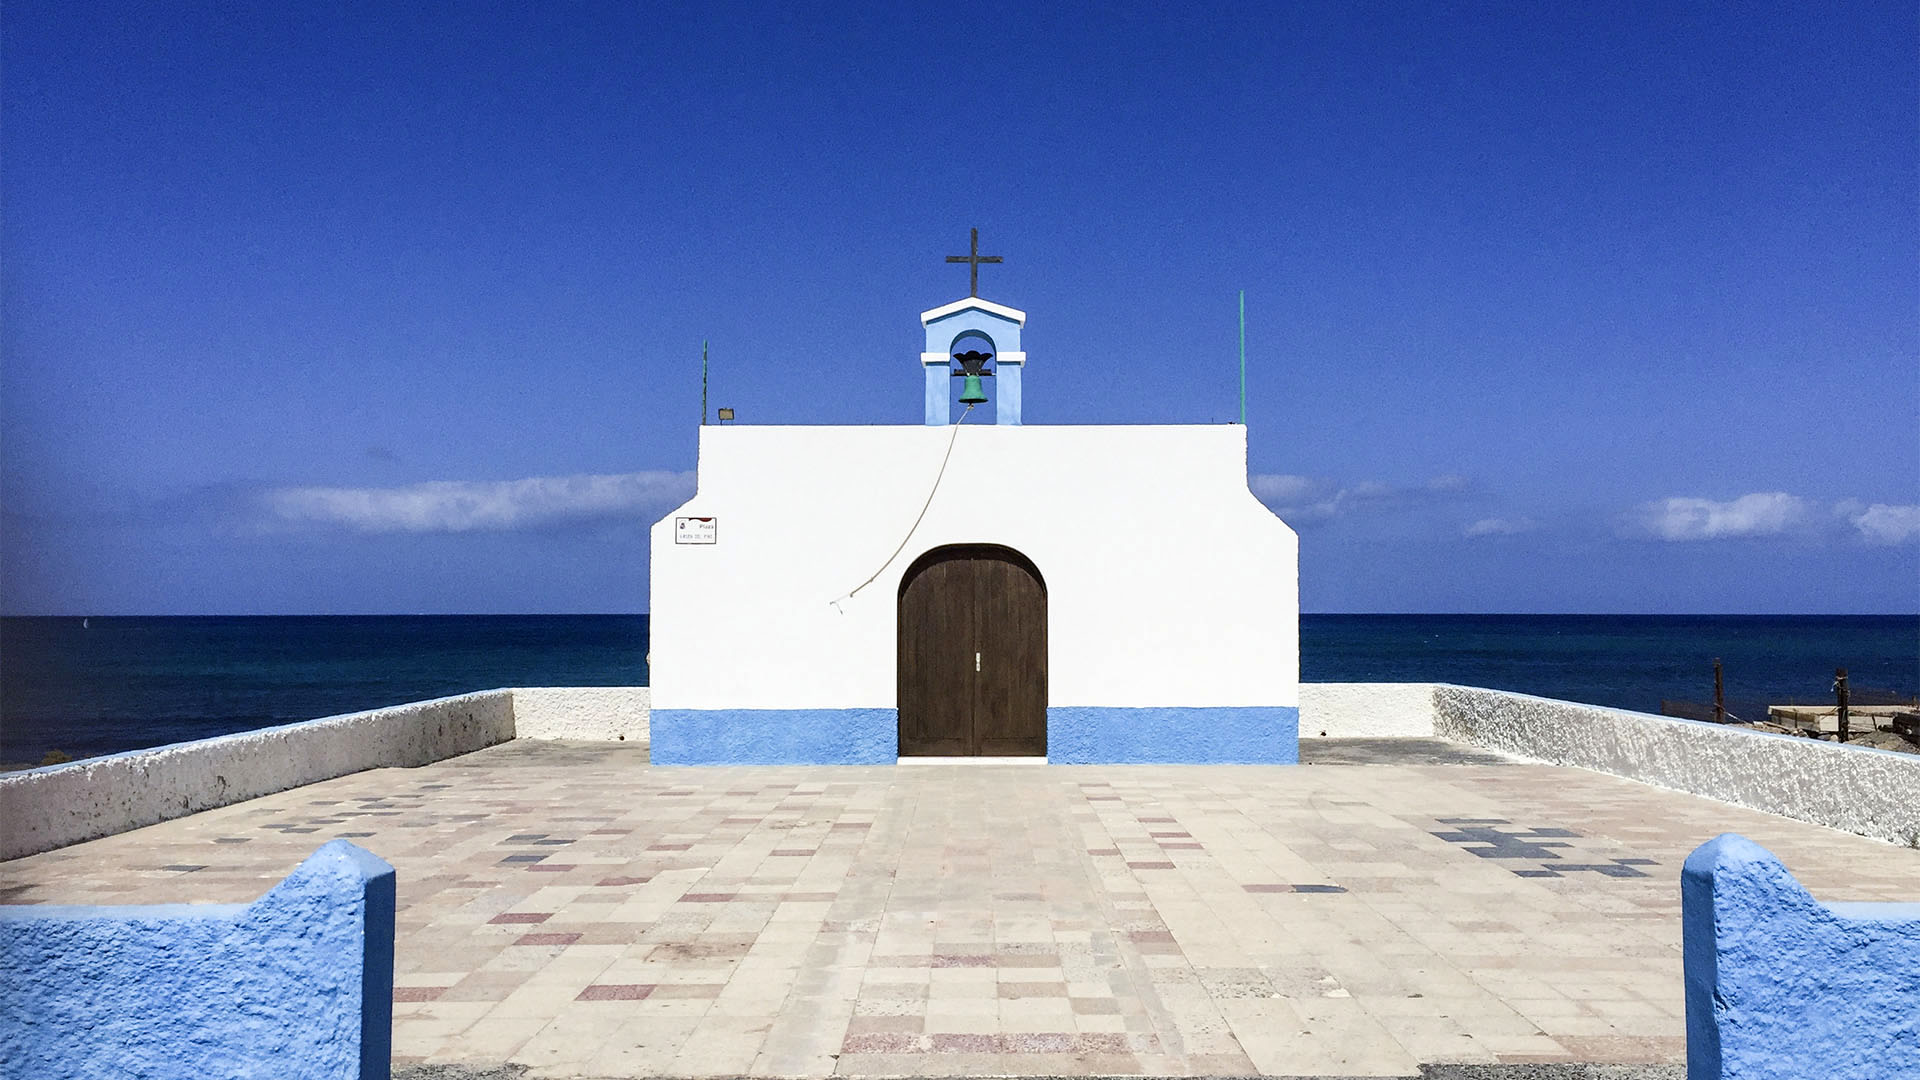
x=124, y=683
x=1628, y=661
x=129, y=682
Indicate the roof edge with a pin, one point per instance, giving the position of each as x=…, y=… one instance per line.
x=944, y=310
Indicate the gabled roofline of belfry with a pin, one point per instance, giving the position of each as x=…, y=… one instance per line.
x=988, y=306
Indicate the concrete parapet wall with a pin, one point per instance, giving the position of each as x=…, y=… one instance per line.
x=590, y=713
x=1780, y=986
x=297, y=984
x=1859, y=790
x=46, y=808
x=1366, y=710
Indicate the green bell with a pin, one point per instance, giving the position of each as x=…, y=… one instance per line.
x=971, y=392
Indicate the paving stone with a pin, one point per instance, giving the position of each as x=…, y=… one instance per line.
x=1425, y=907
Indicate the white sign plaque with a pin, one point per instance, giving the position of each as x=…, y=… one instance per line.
x=696, y=530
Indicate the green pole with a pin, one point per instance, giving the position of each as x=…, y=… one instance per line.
x=1243, y=358
x=703, y=382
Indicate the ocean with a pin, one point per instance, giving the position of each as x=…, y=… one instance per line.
x=103, y=685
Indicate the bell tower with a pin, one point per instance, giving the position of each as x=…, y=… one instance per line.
x=963, y=338
x=969, y=328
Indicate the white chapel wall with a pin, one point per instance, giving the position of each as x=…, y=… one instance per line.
x=1168, y=583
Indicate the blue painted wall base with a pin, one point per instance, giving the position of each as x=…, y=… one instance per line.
x=1076, y=735
x=774, y=736
x=1100, y=735
x=297, y=984
x=1782, y=987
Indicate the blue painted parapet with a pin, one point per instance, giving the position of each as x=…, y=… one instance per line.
x=1782, y=987
x=297, y=984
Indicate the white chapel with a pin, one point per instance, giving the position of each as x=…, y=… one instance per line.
x=972, y=586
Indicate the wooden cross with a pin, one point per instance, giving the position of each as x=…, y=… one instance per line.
x=973, y=260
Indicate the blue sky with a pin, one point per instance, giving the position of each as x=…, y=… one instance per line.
x=370, y=309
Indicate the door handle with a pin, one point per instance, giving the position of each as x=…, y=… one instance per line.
x=976, y=661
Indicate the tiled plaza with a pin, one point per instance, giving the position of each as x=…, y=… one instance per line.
x=571, y=908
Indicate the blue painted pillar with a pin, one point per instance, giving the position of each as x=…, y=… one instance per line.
x=298, y=983
x=1780, y=986
x=938, y=391
x=1006, y=393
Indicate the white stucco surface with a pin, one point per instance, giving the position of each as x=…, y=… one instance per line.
x=51, y=807
x=1366, y=710
x=1168, y=583
x=1870, y=792
x=587, y=713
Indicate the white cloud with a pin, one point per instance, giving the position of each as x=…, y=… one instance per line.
x=1305, y=500
x=1884, y=524
x=1271, y=488
x=1299, y=499
x=453, y=506
x=1501, y=527
x=1766, y=513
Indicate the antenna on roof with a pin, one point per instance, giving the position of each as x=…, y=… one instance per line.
x=703, y=382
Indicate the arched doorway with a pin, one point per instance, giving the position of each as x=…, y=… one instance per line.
x=973, y=654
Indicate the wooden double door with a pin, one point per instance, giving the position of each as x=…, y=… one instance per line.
x=973, y=655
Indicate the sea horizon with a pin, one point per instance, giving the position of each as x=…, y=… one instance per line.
x=1915, y=614
x=92, y=684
